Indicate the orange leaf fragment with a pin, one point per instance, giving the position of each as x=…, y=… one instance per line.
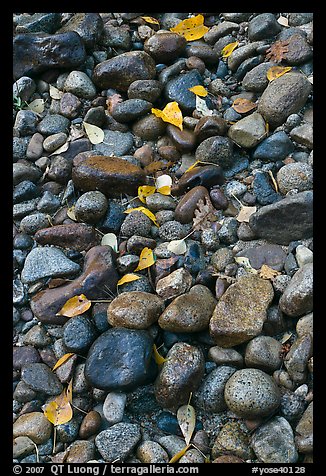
x=146, y=259
x=277, y=71
x=243, y=105
x=75, y=306
x=199, y=90
x=63, y=359
x=191, y=28
x=171, y=113
x=268, y=273
x=228, y=49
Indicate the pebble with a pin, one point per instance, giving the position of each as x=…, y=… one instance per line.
x=98, y=269
x=91, y=207
x=115, y=143
x=25, y=355
x=305, y=325
x=207, y=176
x=70, y=106
x=131, y=109
x=251, y=393
x=285, y=220
x=78, y=334
x=274, y=442
x=68, y=432
x=190, y=312
x=304, y=431
x=136, y=244
x=165, y=47
x=135, y=310
x=24, y=88
x=297, y=298
x=122, y=70
x=203, y=51
x=37, y=337
x=297, y=176
x=35, y=147
x=177, y=89
x=76, y=236
x=216, y=149
x=38, y=377
x=22, y=172
x=303, y=135
x=25, y=122
x=192, y=456
x=226, y=357
x=33, y=425
x=184, y=211
x=232, y=439
x=221, y=258
x=146, y=89
x=149, y=128
x=79, y=84
x=241, y=311
x=255, y=80
x=264, y=353
x=80, y=452
x=114, y=407
x=296, y=359
x=292, y=406
x=22, y=446
x=284, y=96
x=127, y=362
x=209, y=397
x=107, y=174
x=23, y=393
x=175, y=284
x=227, y=234
x=113, y=218
x=152, y=452
x=235, y=188
x=249, y=131
x=172, y=444
x=263, y=26
x=53, y=142
x=242, y=53
x=90, y=424
x=48, y=203
x=172, y=230
x=44, y=262
x=299, y=50
x=118, y=441
x=275, y=147
x=136, y=223
x=53, y=124
x=158, y=202
x=180, y=375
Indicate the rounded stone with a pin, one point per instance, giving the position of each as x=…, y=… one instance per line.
x=118, y=442
x=34, y=425
x=53, y=142
x=135, y=310
x=120, y=359
x=147, y=89
x=91, y=207
x=297, y=176
x=264, y=353
x=90, y=424
x=172, y=230
x=149, y=127
x=78, y=334
x=114, y=407
x=165, y=47
x=210, y=395
x=53, y=124
x=130, y=110
x=80, y=84
x=40, y=378
x=184, y=212
x=297, y=298
x=152, y=452
x=251, y=393
x=136, y=223
x=216, y=149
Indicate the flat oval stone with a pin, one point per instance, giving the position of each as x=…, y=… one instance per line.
x=149, y=127
x=241, y=311
x=76, y=236
x=165, y=47
x=35, y=425
x=202, y=50
x=146, y=89
x=275, y=147
x=272, y=255
x=251, y=393
x=120, y=359
x=121, y=70
x=78, y=334
x=209, y=126
x=90, y=424
x=184, y=140
x=210, y=395
x=180, y=375
x=109, y=175
x=40, y=378
x=189, y=312
x=184, y=212
x=118, y=441
x=130, y=110
x=38, y=52
x=135, y=310
x=207, y=176
x=264, y=353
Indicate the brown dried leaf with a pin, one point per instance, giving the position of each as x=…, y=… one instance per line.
x=268, y=273
x=112, y=101
x=205, y=214
x=245, y=213
x=243, y=105
x=156, y=166
x=277, y=51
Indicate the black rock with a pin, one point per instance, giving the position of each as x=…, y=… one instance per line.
x=114, y=218
x=40, y=378
x=275, y=147
x=39, y=22
x=25, y=190
x=89, y=27
x=194, y=258
x=264, y=191
x=177, y=89
x=247, y=65
x=78, y=334
x=263, y=26
x=121, y=359
x=168, y=423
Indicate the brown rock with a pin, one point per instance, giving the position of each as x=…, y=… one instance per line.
x=184, y=212
x=98, y=271
x=90, y=424
x=25, y=355
x=165, y=47
x=149, y=127
x=184, y=140
x=76, y=236
x=209, y=126
x=34, y=425
x=208, y=175
x=109, y=175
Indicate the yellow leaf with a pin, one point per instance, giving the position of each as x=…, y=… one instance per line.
x=166, y=190
x=199, y=90
x=71, y=213
x=157, y=356
x=59, y=411
x=277, y=71
x=146, y=259
x=228, y=49
x=193, y=166
x=63, y=359
x=186, y=416
x=177, y=456
x=268, y=273
x=192, y=28
x=243, y=105
x=171, y=113
x=127, y=278
x=95, y=134
x=270, y=173
x=144, y=191
x=146, y=212
x=36, y=106
x=267, y=128
x=151, y=20
x=246, y=264
x=75, y=306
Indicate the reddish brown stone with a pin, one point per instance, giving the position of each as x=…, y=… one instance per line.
x=76, y=236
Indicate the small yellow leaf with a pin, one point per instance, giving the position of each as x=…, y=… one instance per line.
x=268, y=273
x=71, y=213
x=243, y=105
x=270, y=173
x=199, y=90
x=75, y=306
x=63, y=359
x=157, y=356
x=228, y=49
x=166, y=190
x=55, y=93
x=193, y=166
x=191, y=28
x=267, y=128
x=36, y=106
x=151, y=20
x=95, y=134
x=128, y=278
x=146, y=259
x=177, y=456
x=146, y=212
x=171, y=113
x=144, y=191
x=277, y=71
x=59, y=411
x=245, y=213
x=186, y=416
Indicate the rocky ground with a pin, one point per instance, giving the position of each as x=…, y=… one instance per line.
x=231, y=313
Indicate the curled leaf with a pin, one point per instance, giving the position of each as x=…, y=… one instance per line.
x=157, y=356
x=110, y=239
x=163, y=184
x=146, y=259
x=75, y=306
x=243, y=105
x=95, y=134
x=146, y=212
x=186, y=416
x=199, y=90
x=177, y=247
x=179, y=455
x=128, y=278
x=36, y=106
x=61, y=149
x=144, y=191
x=277, y=71
x=62, y=360
x=191, y=28
x=171, y=113
x=228, y=49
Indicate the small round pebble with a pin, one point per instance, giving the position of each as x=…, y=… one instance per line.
x=91, y=207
